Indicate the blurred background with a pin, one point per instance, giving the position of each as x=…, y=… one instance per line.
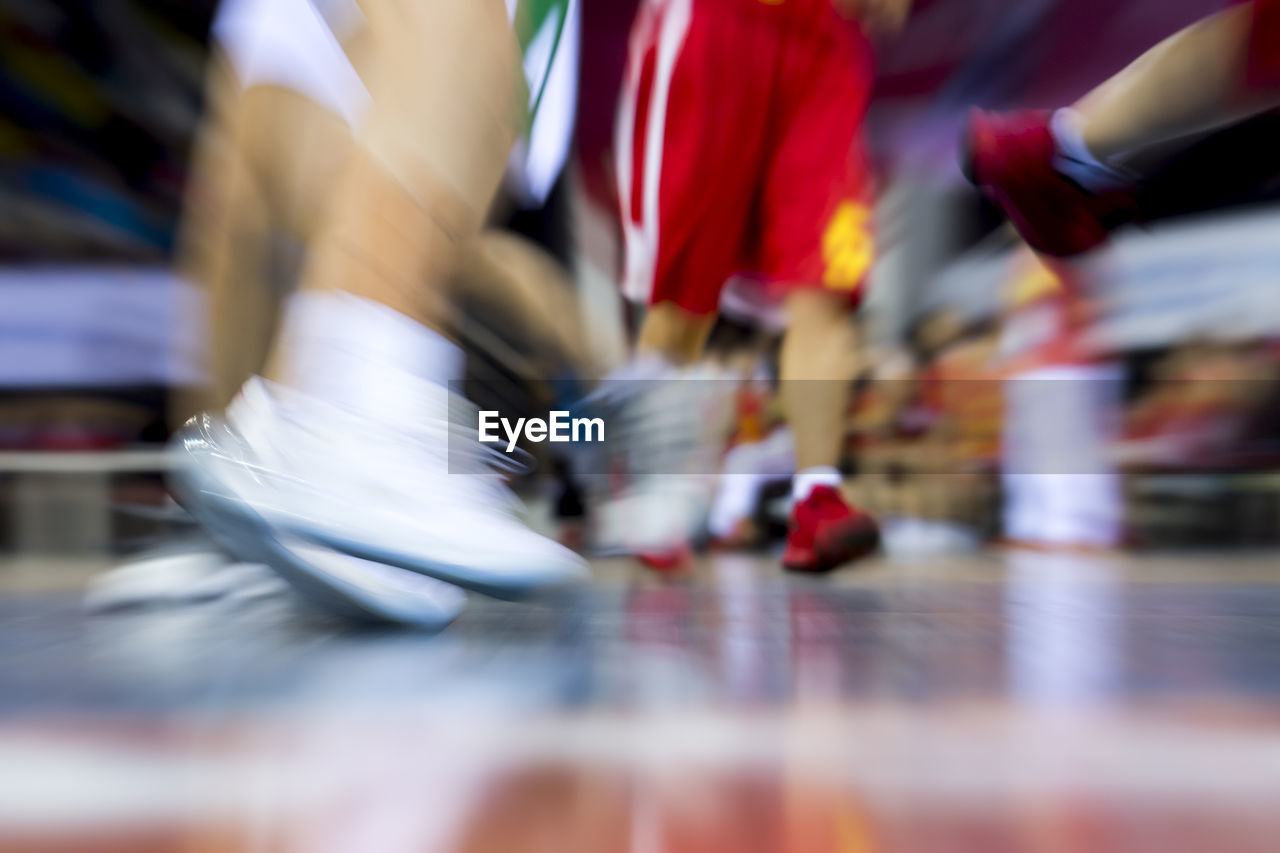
x=953, y=696
x=102, y=105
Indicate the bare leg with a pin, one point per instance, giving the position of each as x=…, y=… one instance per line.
x=447, y=102
x=673, y=333
x=1192, y=81
x=357, y=456
x=223, y=251
x=819, y=358
x=516, y=280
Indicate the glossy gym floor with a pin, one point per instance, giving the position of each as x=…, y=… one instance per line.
x=1006, y=702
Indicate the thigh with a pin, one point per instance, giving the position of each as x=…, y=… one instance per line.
x=448, y=97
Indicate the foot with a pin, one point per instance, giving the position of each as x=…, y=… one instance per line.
x=181, y=574
x=336, y=583
x=234, y=567
x=285, y=467
x=667, y=440
x=1010, y=157
x=826, y=532
x=656, y=519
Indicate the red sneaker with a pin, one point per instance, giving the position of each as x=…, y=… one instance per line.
x=1009, y=156
x=826, y=531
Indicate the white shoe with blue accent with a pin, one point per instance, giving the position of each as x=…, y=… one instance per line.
x=287, y=471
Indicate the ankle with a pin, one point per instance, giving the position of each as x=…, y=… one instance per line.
x=1076, y=160
x=808, y=479
x=363, y=356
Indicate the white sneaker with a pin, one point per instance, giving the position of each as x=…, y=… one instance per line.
x=199, y=573
x=290, y=468
x=672, y=432
x=178, y=575
x=338, y=583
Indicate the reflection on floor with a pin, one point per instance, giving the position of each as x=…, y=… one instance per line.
x=1007, y=703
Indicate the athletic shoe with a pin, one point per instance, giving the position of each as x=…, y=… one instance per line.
x=826, y=532
x=1010, y=156
x=337, y=583
x=197, y=571
x=285, y=467
x=669, y=434
x=180, y=574
x=656, y=519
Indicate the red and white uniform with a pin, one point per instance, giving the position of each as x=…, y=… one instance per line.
x=739, y=149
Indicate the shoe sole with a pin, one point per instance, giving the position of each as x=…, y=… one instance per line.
x=251, y=539
x=206, y=499
x=838, y=548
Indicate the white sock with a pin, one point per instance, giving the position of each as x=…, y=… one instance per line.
x=804, y=482
x=366, y=357
x=1076, y=161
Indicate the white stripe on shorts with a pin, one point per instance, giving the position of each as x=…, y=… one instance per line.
x=641, y=238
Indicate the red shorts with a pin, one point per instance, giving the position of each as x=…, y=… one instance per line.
x=739, y=149
x=1263, y=66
